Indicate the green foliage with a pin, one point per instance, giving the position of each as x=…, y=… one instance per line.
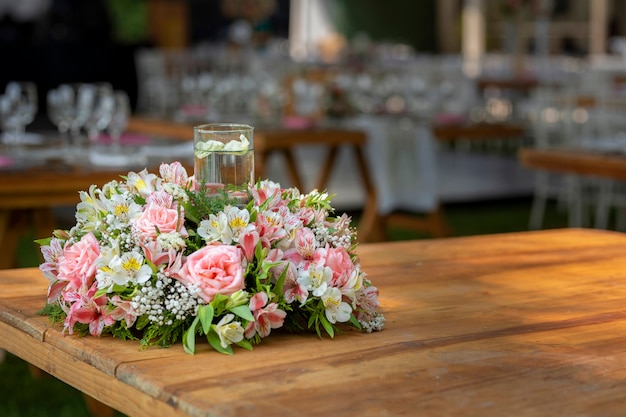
x=164, y=336
x=201, y=204
x=54, y=312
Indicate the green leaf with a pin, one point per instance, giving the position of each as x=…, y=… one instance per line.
x=327, y=326
x=205, y=314
x=214, y=341
x=243, y=311
x=354, y=321
x=189, y=337
x=43, y=242
x=278, y=288
x=245, y=344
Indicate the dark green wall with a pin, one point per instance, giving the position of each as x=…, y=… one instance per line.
x=408, y=21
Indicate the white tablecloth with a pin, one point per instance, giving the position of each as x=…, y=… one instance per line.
x=402, y=161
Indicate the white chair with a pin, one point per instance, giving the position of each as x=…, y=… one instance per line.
x=553, y=113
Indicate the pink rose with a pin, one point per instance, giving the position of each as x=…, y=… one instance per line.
x=157, y=219
x=77, y=264
x=216, y=269
x=337, y=259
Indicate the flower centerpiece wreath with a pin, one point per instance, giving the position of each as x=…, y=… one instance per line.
x=157, y=259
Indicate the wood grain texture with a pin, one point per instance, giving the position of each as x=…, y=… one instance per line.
x=524, y=324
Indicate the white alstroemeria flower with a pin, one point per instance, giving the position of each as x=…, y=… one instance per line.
x=229, y=331
x=238, y=221
x=129, y=268
x=90, y=208
x=316, y=279
x=122, y=210
x=216, y=228
x=354, y=283
x=142, y=182
x=104, y=272
x=335, y=309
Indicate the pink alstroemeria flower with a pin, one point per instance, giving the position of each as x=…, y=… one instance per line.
x=174, y=173
x=270, y=228
x=366, y=302
x=88, y=310
x=51, y=254
x=292, y=289
x=267, y=193
x=266, y=316
x=123, y=310
x=248, y=242
x=305, y=242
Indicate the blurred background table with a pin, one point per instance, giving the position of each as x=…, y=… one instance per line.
x=576, y=161
x=37, y=180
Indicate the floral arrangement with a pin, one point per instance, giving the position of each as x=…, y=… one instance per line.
x=157, y=259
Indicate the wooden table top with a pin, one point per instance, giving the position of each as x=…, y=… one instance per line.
x=441, y=132
x=530, y=324
x=479, y=131
x=575, y=161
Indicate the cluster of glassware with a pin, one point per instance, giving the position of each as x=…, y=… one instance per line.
x=18, y=108
x=87, y=110
x=82, y=113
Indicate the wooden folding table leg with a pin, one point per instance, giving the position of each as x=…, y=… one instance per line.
x=293, y=169
x=371, y=227
x=329, y=161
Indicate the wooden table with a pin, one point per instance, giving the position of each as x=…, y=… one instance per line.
x=575, y=161
x=530, y=324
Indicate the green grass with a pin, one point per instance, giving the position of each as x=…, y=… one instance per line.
x=26, y=396
x=487, y=217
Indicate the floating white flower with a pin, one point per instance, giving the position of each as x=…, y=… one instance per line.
x=204, y=149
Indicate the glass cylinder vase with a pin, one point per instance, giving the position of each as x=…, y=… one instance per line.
x=224, y=159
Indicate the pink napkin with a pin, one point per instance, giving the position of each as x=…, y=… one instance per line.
x=5, y=161
x=194, y=110
x=298, y=122
x=449, y=119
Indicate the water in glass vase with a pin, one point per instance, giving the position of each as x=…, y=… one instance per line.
x=233, y=171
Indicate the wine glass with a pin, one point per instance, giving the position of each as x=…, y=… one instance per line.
x=119, y=117
x=63, y=109
x=18, y=107
x=100, y=97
